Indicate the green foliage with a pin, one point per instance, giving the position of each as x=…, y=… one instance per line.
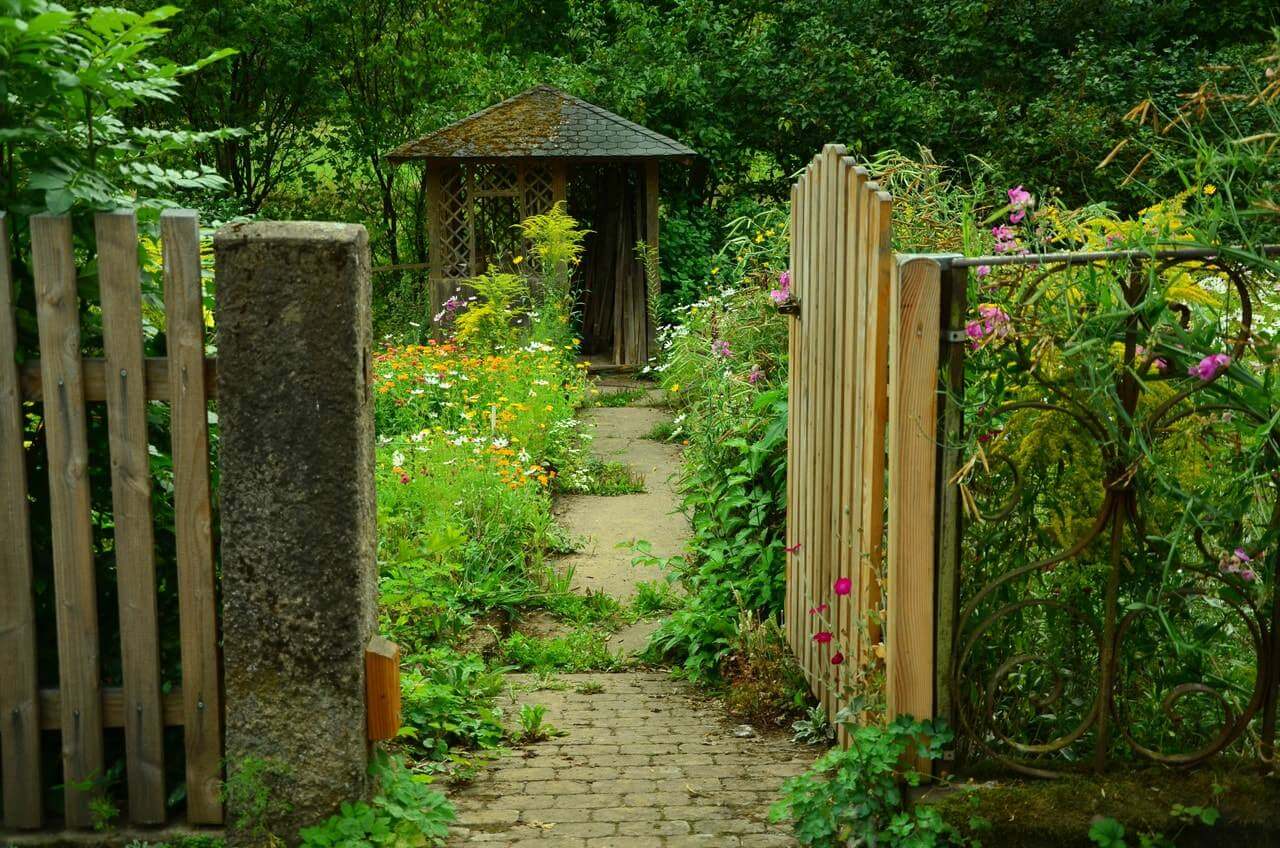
x=448, y=701
x=71, y=80
x=405, y=812
x=654, y=598
x=533, y=725
x=583, y=649
x=815, y=728
x=854, y=795
x=252, y=788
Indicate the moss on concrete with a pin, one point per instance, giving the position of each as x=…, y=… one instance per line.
x=1059, y=812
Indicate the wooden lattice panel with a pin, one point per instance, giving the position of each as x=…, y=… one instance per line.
x=496, y=179
x=538, y=192
x=455, y=225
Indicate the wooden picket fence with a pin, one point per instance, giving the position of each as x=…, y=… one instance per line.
x=59, y=385
x=864, y=354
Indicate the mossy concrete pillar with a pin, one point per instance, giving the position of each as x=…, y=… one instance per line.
x=298, y=519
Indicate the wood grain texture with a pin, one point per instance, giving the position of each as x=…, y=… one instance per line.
x=20, y=771
x=113, y=708
x=914, y=339
x=651, y=239
x=790, y=618
x=382, y=689
x=180, y=241
x=57, y=311
x=94, y=375
x=121, y=295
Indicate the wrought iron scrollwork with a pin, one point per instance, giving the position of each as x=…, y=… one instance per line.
x=1038, y=682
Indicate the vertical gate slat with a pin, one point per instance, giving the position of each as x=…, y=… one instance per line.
x=914, y=338
x=876, y=410
x=800, y=557
x=131, y=506
x=852, y=429
x=58, y=317
x=202, y=703
x=865, y=222
x=789, y=597
x=19, y=704
x=811, y=336
x=831, y=280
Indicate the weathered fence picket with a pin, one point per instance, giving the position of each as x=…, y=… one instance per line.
x=63, y=381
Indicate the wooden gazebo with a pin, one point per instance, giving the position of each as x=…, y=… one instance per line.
x=487, y=172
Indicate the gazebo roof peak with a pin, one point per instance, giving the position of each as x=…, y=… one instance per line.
x=542, y=123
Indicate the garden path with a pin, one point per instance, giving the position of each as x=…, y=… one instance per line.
x=641, y=760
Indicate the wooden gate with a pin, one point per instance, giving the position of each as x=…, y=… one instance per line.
x=862, y=443
x=56, y=387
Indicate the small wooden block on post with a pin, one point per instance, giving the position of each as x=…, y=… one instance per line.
x=382, y=688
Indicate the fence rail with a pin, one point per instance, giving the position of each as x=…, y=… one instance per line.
x=62, y=381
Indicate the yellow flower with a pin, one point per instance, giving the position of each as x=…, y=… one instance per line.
x=518, y=260
x=1210, y=189
x=759, y=237
x=675, y=388
x=715, y=271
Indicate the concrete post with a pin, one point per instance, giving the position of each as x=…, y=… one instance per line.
x=298, y=519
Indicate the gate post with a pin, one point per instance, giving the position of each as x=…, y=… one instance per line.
x=298, y=520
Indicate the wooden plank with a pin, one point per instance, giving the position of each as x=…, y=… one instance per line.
x=180, y=241
x=862, y=186
x=131, y=509
x=19, y=713
x=791, y=616
x=915, y=326
x=811, y=323
x=94, y=376
x=875, y=413
x=113, y=708
x=651, y=239
x=854, y=259
x=382, y=689
x=57, y=311
x=832, y=282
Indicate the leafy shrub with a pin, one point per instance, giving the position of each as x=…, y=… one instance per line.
x=404, y=812
x=448, y=700
x=854, y=795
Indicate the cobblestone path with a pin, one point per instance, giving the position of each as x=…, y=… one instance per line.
x=644, y=762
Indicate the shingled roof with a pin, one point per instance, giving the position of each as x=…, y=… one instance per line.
x=542, y=123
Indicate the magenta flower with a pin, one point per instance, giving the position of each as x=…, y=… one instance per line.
x=1002, y=233
x=720, y=347
x=1241, y=555
x=819, y=609
x=992, y=322
x=784, y=280
x=1019, y=197
x=983, y=270
x=793, y=549
x=822, y=637
x=782, y=293
x=837, y=658
x=1209, y=367
x=754, y=375
x=843, y=586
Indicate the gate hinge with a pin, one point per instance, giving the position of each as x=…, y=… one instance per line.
x=954, y=336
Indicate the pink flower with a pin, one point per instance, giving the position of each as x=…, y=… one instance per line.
x=983, y=270
x=1247, y=575
x=404, y=478
x=843, y=586
x=822, y=637
x=819, y=609
x=1002, y=233
x=780, y=296
x=1017, y=216
x=1242, y=556
x=720, y=347
x=784, y=280
x=837, y=658
x=1019, y=197
x=992, y=322
x=754, y=375
x=794, y=549
x=1209, y=367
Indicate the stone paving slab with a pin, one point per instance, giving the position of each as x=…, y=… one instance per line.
x=644, y=761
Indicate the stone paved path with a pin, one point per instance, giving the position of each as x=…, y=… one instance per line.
x=648, y=762
x=644, y=760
